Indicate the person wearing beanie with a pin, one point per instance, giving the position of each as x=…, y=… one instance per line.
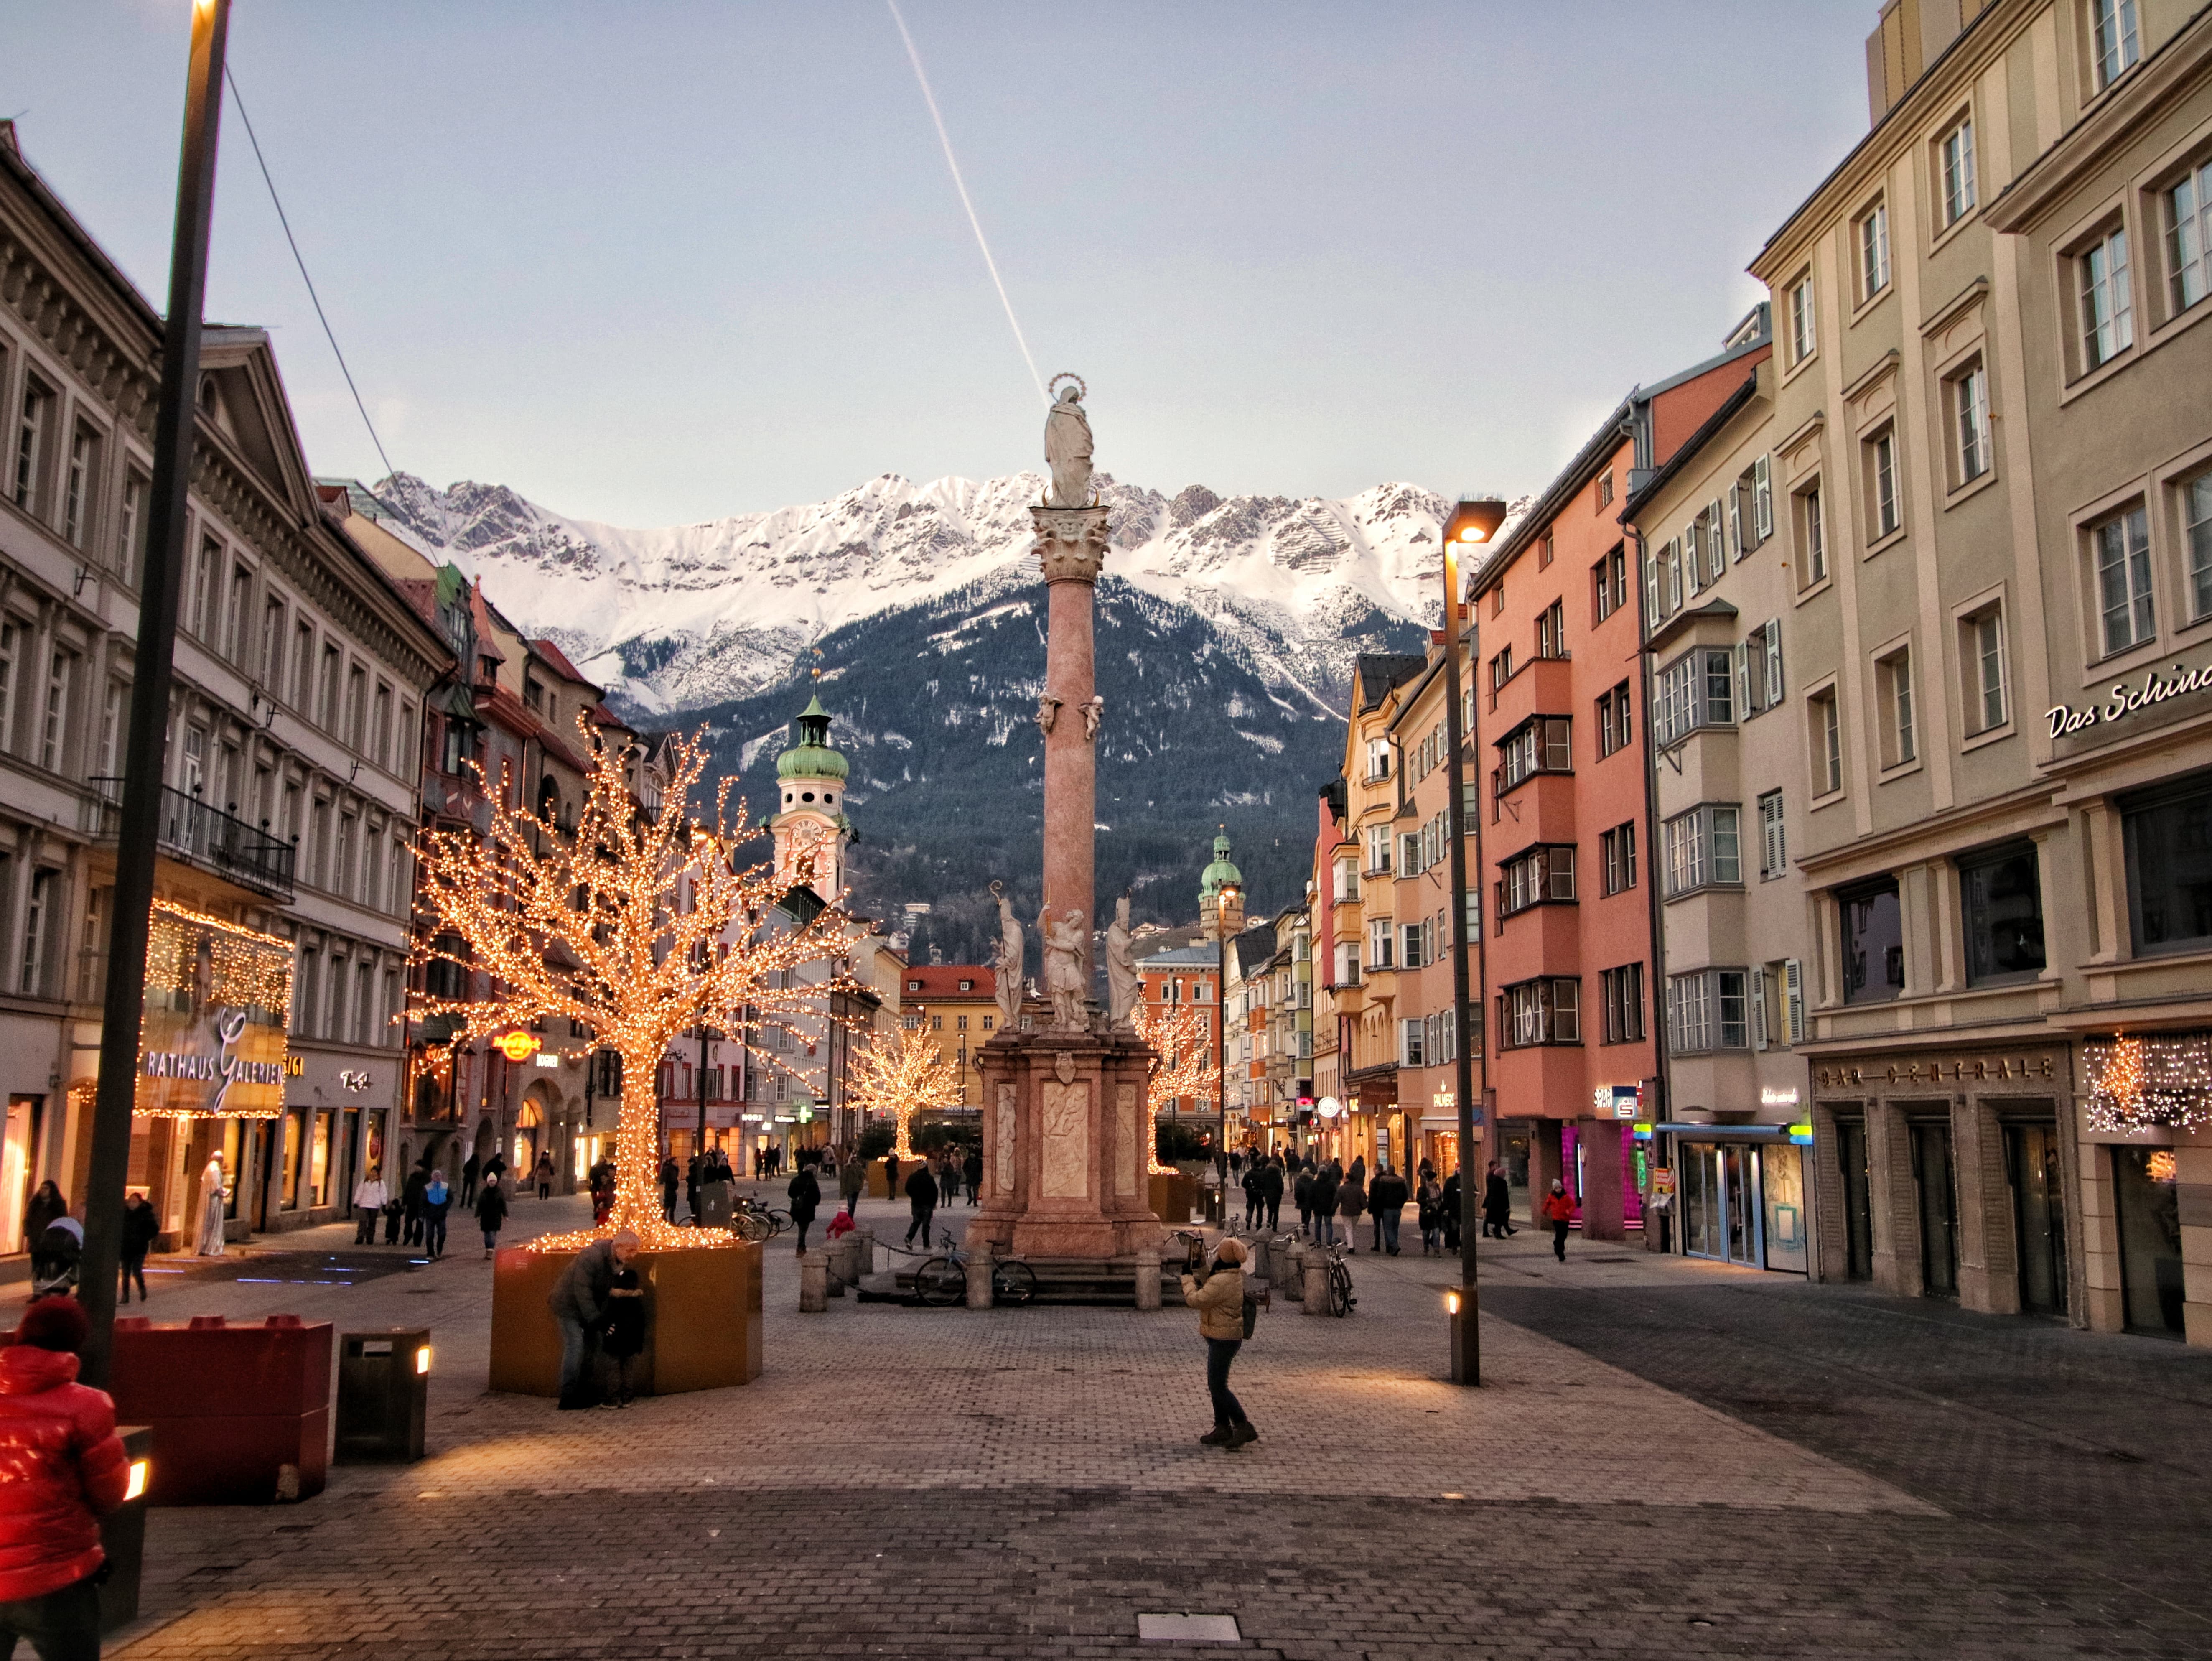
x=66, y=1468
x=1220, y=1300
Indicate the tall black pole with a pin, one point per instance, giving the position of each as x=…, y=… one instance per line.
x=701, y=1148
x=1221, y=1068
x=149, y=696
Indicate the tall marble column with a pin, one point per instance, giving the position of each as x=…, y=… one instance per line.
x=1070, y=544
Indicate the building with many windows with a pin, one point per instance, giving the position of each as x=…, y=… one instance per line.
x=289, y=799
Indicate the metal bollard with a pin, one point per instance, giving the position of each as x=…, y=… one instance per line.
x=1316, y=1298
x=1290, y=1276
x=813, y=1281
x=1148, y=1278
x=979, y=1266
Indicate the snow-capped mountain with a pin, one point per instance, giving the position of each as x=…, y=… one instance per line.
x=686, y=616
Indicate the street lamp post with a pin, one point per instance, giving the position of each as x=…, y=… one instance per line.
x=1224, y=914
x=1473, y=523
x=132, y=905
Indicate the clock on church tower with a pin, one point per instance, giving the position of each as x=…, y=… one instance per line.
x=810, y=826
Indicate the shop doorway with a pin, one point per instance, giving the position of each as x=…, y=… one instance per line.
x=1720, y=1202
x=529, y=1130
x=2038, y=1216
x=18, y=1145
x=2148, y=1214
x=1938, y=1208
x=1858, y=1203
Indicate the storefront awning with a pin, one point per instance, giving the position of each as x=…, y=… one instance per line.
x=1735, y=1132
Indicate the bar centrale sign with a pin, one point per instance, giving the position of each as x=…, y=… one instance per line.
x=1955, y=1069
x=2124, y=700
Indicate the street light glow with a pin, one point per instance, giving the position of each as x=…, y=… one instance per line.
x=422, y=1359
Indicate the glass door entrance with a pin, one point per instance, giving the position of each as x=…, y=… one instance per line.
x=2038, y=1213
x=1939, y=1209
x=1720, y=1202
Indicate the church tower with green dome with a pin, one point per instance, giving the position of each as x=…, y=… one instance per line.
x=1221, y=892
x=810, y=826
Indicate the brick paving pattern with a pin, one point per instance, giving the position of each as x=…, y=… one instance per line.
x=1667, y=1460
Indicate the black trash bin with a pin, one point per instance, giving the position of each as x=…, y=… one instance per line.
x=384, y=1396
x=123, y=1533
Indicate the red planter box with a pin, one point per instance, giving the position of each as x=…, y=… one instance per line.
x=241, y=1415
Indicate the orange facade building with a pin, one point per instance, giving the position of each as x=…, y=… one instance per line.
x=1560, y=770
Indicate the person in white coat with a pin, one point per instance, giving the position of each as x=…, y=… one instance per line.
x=210, y=1240
x=368, y=1202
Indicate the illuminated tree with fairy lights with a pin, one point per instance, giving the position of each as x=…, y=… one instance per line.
x=637, y=926
x=1181, y=1036
x=903, y=1075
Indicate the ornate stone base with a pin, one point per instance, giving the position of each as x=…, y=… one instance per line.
x=1065, y=1141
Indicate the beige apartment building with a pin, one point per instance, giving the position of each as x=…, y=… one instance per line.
x=288, y=807
x=1727, y=772
x=1990, y=422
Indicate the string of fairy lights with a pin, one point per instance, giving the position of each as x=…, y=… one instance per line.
x=2163, y=1080
x=637, y=929
x=1181, y=1036
x=903, y=1075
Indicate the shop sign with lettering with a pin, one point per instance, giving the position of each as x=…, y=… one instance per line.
x=211, y=1035
x=1956, y=1069
x=2125, y=700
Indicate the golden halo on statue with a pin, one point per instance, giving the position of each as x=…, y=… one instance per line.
x=1052, y=387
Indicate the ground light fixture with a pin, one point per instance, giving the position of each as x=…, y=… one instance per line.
x=141, y=1471
x=1474, y=520
x=422, y=1359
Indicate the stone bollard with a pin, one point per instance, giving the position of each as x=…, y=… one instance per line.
x=1316, y=1298
x=864, y=1252
x=1148, y=1277
x=980, y=1265
x=1290, y=1277
x=813, y=1281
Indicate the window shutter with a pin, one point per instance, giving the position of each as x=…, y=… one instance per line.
x=1762, y=497
x=1740, y=653
x=1793, y=983
x=1736, y=544
x=1759, y=1008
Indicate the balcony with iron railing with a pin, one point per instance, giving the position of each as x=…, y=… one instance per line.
x=204, y=836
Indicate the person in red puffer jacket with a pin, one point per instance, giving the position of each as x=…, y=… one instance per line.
x=61, y=1467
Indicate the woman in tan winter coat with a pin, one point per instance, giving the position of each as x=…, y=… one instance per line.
x=1220, y=1300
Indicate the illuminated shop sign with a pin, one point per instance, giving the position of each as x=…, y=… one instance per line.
x=2125, y=700
x=211, y=1035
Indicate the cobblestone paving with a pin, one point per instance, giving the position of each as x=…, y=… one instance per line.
x=1026, y=1482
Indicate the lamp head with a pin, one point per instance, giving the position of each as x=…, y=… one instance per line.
x=1474, y=520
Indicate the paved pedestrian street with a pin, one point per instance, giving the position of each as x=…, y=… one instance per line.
x=1667, y=1459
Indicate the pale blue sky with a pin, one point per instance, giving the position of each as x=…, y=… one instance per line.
x=652, y=263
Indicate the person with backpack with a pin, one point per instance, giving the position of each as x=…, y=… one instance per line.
x=1386, y=1199
x=805, y=1194
x=1218, y=1297
x=852, y=1177
x=65, y=1469
x=1301, y=1195
x=437, y=1201
x=410, y=1203
x=1270, y=1195
x=491, y=1215
x=1429, y=1200
x=1351, y=1201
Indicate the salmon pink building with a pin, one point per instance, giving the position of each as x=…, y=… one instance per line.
x=1561, y=772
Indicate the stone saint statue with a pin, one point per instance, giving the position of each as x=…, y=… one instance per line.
x=1067, y=450
x=1122, y=983
x=1063, y=972
x=1093, y=712
x=1012, y=949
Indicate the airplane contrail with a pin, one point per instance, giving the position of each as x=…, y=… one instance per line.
x=961, y=184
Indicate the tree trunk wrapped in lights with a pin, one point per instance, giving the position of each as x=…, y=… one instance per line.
x=1181, y=1036
x=637, y=928
x=902, y=1076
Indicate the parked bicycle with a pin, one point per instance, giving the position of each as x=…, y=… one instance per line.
x=752, y=1221
x=1340, y=1300
x=942, y=1280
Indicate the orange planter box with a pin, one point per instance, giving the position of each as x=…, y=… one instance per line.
x=702, y=1320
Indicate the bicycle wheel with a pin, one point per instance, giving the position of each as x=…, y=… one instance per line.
x=940, y=1281
x=778, y=1221
x=1013, y=1283
x=749, y=1228
x=1339, y=1290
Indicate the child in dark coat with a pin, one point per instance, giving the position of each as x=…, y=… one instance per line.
x=625, y=1334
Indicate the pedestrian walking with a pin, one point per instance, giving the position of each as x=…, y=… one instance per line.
x=1351, y=1201
x=890, y=1176
x=545, y=1176
x=1302, y=1188
x=669, y=1177
x=140, y=1225
x=1218, y=1297
x=437, y=1201
x=624, y=1338
x=65, y=1469
x=805, y=1195
x=1325, y=1185
x=1250, y=1183
x=921, y=1198
x=948, y=1181
x=695, y=1171
x=1428, y=1203
x=852, y=1177
x=472, y=1172
x=369, y=1201
x=1453, y=1220
x=971, y=1173
x=494, y=1168
x=410, y=1203
x=47, y=1207
x=1497, y=1204
x=1271, y=1194
x=579, y=1301
x=1558, y=1211
x=1387, y=1201
x=491, y=1215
